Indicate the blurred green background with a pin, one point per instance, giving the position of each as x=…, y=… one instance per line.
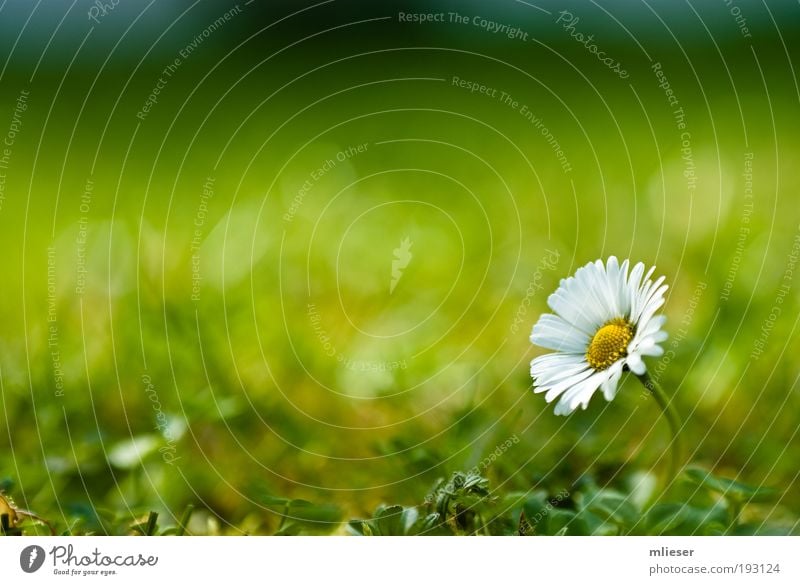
x=198, y=307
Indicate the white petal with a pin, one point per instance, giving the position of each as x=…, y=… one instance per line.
x=647, y=293
x=586, y=392
x=545, y=362
x=612, y=268
x=618, y=285
x=645, y=345
x=652, y=305
x=562, y=409
x=635, y=363
x=580, y=393
x=556, y=390
x=624, y=298
x=609, y=387
x=600, y=289
x=651, y=350
x=573, y=311
x=556, y=375
x=634, y=280
x=649, y=333
x=584, y=287
x=647, y=340
x=608, y=288
x=650, y=326
x=659, y=336
x=552, y=332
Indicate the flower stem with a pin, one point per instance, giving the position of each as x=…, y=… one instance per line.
x=668, y=408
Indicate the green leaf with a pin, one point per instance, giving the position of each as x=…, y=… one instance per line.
x=304, y=517
x=409, y=518
x=534, y=505
x=388, y=521
x=270, y=500
x=761, y=530
x=730, y=488
x=304, y=511
x=714, y=529
x=663, y=518
x=359, y=528
x=684, y=519
x=557, y=521
x=290, y=529
x=588, y=524
x=432, y=525
x=525, y=528
x=613, y=507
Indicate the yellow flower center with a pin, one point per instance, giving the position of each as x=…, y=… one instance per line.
x=609, y=343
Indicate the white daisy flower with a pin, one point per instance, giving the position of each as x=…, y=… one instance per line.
x=604, y=323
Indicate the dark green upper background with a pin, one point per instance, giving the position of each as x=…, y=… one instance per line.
x=258, y=373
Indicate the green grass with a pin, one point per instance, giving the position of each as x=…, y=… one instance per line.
x=297, y=394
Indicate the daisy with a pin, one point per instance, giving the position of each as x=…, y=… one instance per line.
x=605, y=322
